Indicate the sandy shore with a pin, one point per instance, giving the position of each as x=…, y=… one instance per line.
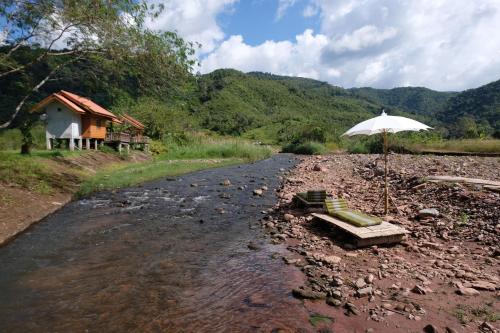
x=443, y=278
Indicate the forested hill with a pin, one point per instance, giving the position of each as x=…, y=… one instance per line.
x=416, y=100
x=480, y=105
x=263, y=105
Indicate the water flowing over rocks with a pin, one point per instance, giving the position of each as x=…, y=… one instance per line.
x=449, y=261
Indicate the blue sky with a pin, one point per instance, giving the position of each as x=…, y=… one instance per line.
x=257, y=21
x=446, y=45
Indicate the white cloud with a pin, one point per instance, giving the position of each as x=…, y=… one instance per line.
x=310, y=11
x=362, y=38
x=283, y=5
x=441, y=44
x=194, y=20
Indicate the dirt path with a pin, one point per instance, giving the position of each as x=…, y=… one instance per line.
x=176, y=255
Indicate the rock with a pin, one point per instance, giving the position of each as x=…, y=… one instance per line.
x=194, y=185
x=431, y=329
x=387, y=306
x=483, y=285
x=318, y=167
x=288, y=217
x=308, y=293
x=264, y=188
x=431, y=245
x=253, y=246
x=487, y=328
x=360, y=283
x=337, y=294
x=351, y=309
x=257, y=191
x=333, y=302
x=450, y=330
x=364, y=292
x=420, y=290
x=428, y=212
x=369, y=278
x=226, y=182
x=329, y=259
x=467, y=291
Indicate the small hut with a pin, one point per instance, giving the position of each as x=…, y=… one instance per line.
x=73, y=119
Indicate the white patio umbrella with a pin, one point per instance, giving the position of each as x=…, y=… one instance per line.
x=386, y=124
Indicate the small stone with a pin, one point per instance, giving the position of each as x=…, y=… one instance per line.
x=467, y=291
x=253, y=246
x=387, y=306
x=483, y=285
x=264, y=188
x=288, y=217
x=318, y=167
x=337, y=294
x=360, y=283
x=226, y=182
x=194, y=185
x=369, y=278
x=351, y=309
x=420, y=290
x=333, y=302
x=487, y=328
x=364, y=291
x=450, y=330
x=428, y=212
x=257, y=191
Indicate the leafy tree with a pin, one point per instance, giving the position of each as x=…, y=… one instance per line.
x=59, y=33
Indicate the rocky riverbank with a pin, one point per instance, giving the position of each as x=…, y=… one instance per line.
x=443, y=278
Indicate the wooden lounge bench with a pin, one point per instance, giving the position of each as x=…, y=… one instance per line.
x=384, y=233
x=310, y=199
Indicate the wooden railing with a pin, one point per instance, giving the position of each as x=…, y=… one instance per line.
x=140, y=139
x=126, y=138
x=117, y=137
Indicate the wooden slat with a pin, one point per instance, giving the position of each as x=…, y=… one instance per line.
x=382, y=230
x=463, y=180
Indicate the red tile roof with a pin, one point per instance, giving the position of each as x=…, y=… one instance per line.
x=60, y=98
x=132, y=121
x=87, y=104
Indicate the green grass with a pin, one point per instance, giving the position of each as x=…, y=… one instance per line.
x=191, y=153
x=317, y=319
x=306, y=148
x=466, y=313
x=217, y=149
x=465, y=145
x=129, y=175
x=31, y=171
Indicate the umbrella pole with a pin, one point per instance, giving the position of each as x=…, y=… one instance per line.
x=386, y=190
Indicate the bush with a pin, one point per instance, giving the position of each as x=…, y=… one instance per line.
x=306, y=148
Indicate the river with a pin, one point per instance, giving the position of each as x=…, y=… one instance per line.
x=169, y=256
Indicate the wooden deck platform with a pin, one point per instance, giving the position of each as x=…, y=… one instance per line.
x=384, y=233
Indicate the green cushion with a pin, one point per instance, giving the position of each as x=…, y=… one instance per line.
x=356, y=218
x=333, y=205
x=316, y=196
x=338, y=208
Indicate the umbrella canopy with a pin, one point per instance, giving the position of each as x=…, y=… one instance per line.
x=385, y=123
